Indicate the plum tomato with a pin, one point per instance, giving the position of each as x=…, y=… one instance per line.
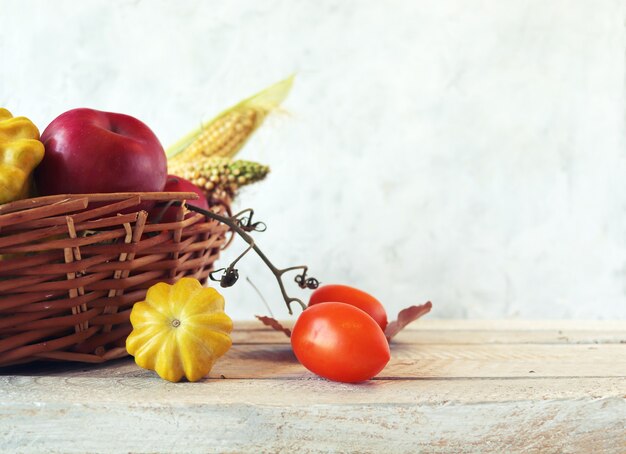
x=354, y=297
x=339, y=342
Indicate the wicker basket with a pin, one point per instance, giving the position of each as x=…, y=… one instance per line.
x=72, y=268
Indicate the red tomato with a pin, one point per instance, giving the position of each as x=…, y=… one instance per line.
x=339, y=342
x=354, y=297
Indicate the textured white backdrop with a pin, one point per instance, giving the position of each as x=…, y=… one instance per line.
x=468, y=152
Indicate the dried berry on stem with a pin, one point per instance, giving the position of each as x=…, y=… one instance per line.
x=241, y=224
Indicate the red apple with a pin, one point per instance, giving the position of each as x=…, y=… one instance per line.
x=91, y=151
x=178, y=184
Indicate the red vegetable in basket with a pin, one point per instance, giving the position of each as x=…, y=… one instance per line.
x=178, y=184
x=89, y=151
x=354, y=297
x=339, y=342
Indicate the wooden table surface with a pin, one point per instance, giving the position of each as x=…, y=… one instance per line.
x=451, y=386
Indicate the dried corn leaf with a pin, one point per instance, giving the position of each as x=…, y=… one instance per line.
x=406, y=316
x=274, y=324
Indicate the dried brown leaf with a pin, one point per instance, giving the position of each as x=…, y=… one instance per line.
x=406, y=316
x=274, y=324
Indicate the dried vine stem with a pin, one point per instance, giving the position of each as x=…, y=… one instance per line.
x=242, y=226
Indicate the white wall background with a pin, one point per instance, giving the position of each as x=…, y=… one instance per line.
x=468, y=152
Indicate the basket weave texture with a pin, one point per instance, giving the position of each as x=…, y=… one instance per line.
x=72, y=267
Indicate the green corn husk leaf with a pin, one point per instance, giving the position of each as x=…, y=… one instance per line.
x=223, y=127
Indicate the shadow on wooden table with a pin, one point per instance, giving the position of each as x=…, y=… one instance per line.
x=58, y=368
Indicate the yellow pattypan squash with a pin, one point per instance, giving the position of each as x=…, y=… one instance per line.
x=20, y=152
x=179, y=330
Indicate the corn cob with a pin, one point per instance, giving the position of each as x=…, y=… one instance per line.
x=219, y=177
x=227, y=133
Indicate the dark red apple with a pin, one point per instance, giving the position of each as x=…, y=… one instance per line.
x=178, y=184
x=89, y=151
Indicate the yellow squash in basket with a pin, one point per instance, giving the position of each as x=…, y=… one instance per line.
x=20, y=152
x=180, y=330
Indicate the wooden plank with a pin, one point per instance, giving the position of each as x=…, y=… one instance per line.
x=485, y=325
x=445, y=361
x=146, y=388
x=428, y=331
x=529, y=427
x=277, y=361
x=515, y=324
x=249, y=335
x=149, y=415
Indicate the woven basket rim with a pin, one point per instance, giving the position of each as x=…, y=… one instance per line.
x=34, y=202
